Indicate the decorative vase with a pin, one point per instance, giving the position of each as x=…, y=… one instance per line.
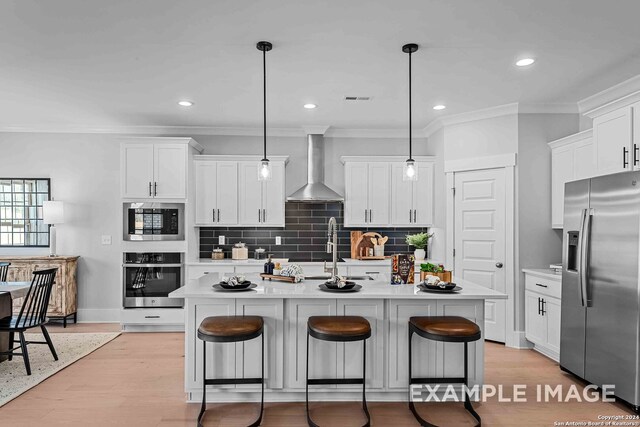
x=419, y=254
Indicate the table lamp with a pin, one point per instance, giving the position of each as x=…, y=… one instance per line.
x=52, y=213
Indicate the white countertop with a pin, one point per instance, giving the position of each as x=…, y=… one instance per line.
x=376, y=289
x=547, y=273
x=243, y=262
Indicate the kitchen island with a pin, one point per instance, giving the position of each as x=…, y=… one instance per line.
x=286, y=307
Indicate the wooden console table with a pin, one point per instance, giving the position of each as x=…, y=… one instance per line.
x=64, y=295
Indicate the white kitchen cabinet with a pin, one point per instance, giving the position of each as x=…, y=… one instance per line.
x=367, y=190
x=261, y=203
x=412, y=201
x=155, y=168
x=216, y=193
x=322, y=354
x=613, y=141
x=542, y=313
x=248, y=352
x=571, y=159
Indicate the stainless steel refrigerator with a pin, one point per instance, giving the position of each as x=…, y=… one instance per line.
x=600, y=333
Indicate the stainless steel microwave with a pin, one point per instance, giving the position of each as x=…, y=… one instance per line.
x=153, y=221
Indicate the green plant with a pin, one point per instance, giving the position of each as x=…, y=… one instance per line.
x=418, y=241
x=432, y=268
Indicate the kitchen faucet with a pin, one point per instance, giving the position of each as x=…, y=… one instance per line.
x=332, y=248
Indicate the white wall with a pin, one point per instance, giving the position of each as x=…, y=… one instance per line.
x=478, y=138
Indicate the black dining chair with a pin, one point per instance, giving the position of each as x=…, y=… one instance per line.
x=4, y=269
x=32, y=314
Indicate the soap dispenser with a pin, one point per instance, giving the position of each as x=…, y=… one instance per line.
x=269, y=266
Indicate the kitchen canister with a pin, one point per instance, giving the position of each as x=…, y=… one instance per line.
x=260, y=253
x=217, y=253
x=239, y=251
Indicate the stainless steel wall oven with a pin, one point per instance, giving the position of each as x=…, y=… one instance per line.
x=149, y=277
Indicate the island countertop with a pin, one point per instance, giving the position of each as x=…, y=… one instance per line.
x=373, y=289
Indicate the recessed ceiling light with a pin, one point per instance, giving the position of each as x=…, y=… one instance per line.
x=310, y=106
x=439, y=107
x=525, y=61
x=185, y=103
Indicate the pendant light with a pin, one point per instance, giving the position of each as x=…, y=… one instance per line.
x=410, y=172
x=264, y=171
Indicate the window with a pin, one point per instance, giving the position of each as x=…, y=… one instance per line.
x=21, y=211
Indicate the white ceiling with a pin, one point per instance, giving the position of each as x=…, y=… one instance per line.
x=126, y=63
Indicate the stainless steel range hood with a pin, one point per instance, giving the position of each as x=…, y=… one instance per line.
x=315, y=190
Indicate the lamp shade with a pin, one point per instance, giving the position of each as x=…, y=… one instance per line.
x=53, y=212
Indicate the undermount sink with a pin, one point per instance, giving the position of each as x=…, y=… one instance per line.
x=326, y=277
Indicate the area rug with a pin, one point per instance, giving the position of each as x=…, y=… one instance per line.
x=70, y=348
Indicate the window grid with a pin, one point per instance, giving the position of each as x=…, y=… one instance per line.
x=21, y=201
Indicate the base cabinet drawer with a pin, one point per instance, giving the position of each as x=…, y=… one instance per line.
x=543, y=285
x=152, y=316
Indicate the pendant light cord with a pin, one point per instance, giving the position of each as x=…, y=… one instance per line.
x=410, y=124
x=264, y=104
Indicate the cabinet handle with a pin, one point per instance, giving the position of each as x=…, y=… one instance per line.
x=541, y=285
x=218, y=215
x=544, y=310
x=410, y=216
x=151, y=317
x=264, y=215
x=259, y=220
x=149, y=188
x=635, y=154
x=625, y=162
x=539, y=301
x=214, y=214
x=365, y=215
x=155, y=188
x=370, y=216
x=414, y=216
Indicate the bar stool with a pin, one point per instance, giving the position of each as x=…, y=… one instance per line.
x=445, y=329
x=340, y=329
x=230, y=329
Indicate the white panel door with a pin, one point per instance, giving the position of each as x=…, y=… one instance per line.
x=401, y=197
x=273, y=196
x=248, y=360
x=423, y=195
x=322, y=354
x=350, y=354
x=170, y=171
x=379, y=188
x=562, y=168
x=226, y=193
x=612, y=140
x=479, y=206
x=535, y=325
x=137, y=173
x=424, y=351
x=206, y=183
x=249, y=194
x=356, y=190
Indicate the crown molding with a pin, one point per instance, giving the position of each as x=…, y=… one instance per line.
x=238, y=158
x=398, y=159
x=609, y=95
x=560, y=108
x=567, y=140
x=625, y=101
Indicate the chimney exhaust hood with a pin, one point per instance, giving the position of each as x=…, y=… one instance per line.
x=315, y=190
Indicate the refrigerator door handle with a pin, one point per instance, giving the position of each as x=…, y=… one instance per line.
x=584, y=257
x=583, y=217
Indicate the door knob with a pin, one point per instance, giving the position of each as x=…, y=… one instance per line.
x=499, y=264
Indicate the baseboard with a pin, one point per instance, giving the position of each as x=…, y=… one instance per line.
x=516, y=339
x=99, y=315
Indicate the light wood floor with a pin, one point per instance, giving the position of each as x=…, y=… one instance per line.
x=137, y=380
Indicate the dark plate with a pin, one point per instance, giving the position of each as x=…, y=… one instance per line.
x=243, y=285
x=219, y=288
x=448, y=287
x=440, y=291
x=324, y=288
x=348, y=285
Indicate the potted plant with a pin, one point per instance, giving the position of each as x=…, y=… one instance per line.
x=419, y=241
x=438, y=270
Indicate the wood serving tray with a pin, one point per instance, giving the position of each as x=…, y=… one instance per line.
x=288, y=279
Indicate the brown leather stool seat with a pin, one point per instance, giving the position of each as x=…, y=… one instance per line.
x=445, y=328
x=230, y=328
x=339, y=328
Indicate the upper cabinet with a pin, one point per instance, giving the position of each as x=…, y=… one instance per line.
x=376, y=195
x=572, y=159
x=228, y=192
x=155, y=168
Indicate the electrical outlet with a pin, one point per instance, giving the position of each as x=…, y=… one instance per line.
x=221, y=240
x=106, y=239
x=278, y=240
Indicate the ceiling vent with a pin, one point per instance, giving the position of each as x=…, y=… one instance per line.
x=357, y=98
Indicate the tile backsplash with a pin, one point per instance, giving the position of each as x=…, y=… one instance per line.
x=304, y=235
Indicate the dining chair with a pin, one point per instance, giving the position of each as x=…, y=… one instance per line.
x=4, y=269
x=32, y=314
